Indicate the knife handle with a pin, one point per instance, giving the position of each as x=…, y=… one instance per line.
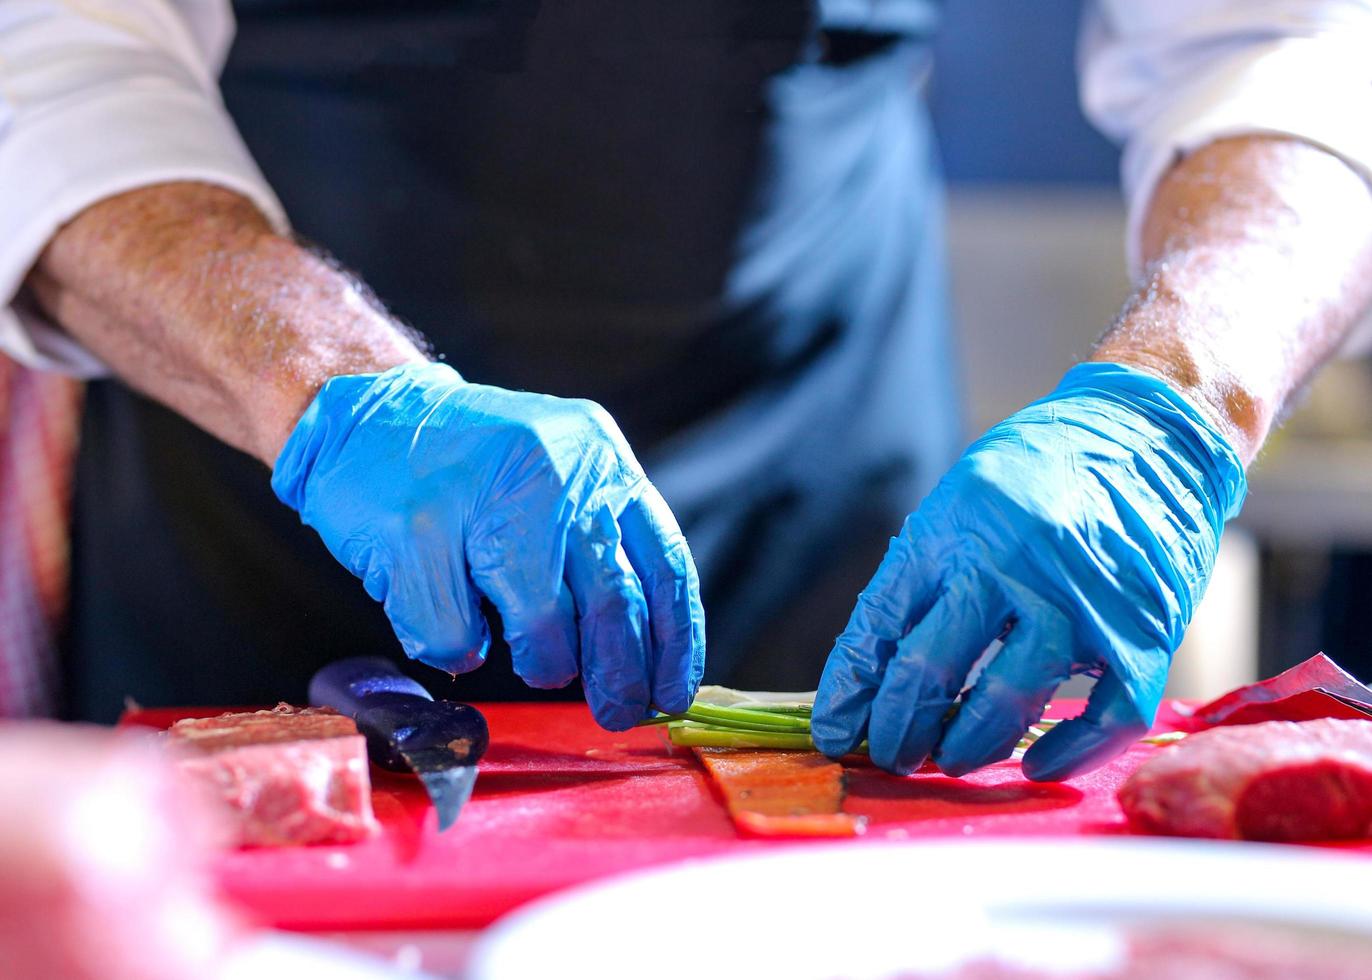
x=356, y=684
x=396, y=714
x=383, y=701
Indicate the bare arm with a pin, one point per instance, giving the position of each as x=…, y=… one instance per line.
x=1259, y=262
x=186, y=292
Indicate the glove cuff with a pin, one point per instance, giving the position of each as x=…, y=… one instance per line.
x=1214, y=457
x=341, y=402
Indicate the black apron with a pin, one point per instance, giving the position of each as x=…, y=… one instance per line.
x=718, y=218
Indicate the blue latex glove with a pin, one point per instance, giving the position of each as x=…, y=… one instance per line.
x=436, y=492
x=1090, y=521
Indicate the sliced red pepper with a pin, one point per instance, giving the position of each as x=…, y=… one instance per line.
x=776, y=793
x=806, y=825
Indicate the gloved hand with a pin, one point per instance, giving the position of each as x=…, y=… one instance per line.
x=435, y=491
x=1088, y=522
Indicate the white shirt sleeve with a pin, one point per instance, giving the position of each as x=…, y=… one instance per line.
x=1165, y=77
x=98, y=97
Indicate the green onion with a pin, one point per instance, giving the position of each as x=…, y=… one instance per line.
x=1163, y=738
x=741, y=719
x=705, y=736
x=787, y=726
x=747, y=718
x=657, y=720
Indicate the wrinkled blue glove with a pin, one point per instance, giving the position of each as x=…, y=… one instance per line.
x=1088, y=523
x=435, y=492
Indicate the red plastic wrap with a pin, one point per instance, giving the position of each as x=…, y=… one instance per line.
x=1316, y=688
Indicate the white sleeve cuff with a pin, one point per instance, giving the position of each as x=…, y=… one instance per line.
x=70, y=155
x=1314, y=89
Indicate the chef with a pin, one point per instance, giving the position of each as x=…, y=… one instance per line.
x=707, y=231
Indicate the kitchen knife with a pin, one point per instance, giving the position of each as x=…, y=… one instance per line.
x=406, y=729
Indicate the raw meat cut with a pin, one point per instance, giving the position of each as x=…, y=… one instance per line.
x=1275, y=781
x=283, y=723
x=288, y=776
x=781, y=794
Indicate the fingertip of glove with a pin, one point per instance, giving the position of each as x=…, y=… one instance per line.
x=833, y=743
x=676, y=702
x=618, y=719
x=547, y=682
x=897, y=764
x=1077, y=746
x=1050, y=771
x=617, y=702
x=956, y=768
x=960, y=753
x=954, y=758
x=1045, y=763
x=451, y=661
x=675, y=689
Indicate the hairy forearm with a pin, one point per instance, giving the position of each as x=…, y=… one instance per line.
x=1259, y=262
x=187, y=294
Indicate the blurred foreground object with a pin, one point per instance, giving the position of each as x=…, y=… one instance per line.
x=39, y=419
x=99, y=862
x=1059, y=908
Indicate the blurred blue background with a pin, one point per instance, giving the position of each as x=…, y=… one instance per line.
x=1004, y=95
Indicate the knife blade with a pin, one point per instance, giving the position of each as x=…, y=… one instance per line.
x=406, y=729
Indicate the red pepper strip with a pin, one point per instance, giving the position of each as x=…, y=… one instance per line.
x=778, y=793
x=808, y=825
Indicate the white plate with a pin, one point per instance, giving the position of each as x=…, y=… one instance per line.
x=271, y=955
x=875, y=910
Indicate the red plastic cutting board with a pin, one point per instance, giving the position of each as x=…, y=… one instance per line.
x=560, y=802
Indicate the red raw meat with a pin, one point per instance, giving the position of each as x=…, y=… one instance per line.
x=289, y=775
x=1274, y=781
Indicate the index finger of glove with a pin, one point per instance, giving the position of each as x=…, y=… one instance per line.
x=435, y=613
x=1011, y=692
x=522, y=573
x=929, y=670
x=658, y=552
x=899, y=594
x=1109, y=725
x=612, y=616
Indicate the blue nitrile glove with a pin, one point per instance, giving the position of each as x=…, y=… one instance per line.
x=435, y=491
x=1090, y=521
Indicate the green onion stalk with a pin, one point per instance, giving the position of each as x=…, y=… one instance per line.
x=784, y=725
